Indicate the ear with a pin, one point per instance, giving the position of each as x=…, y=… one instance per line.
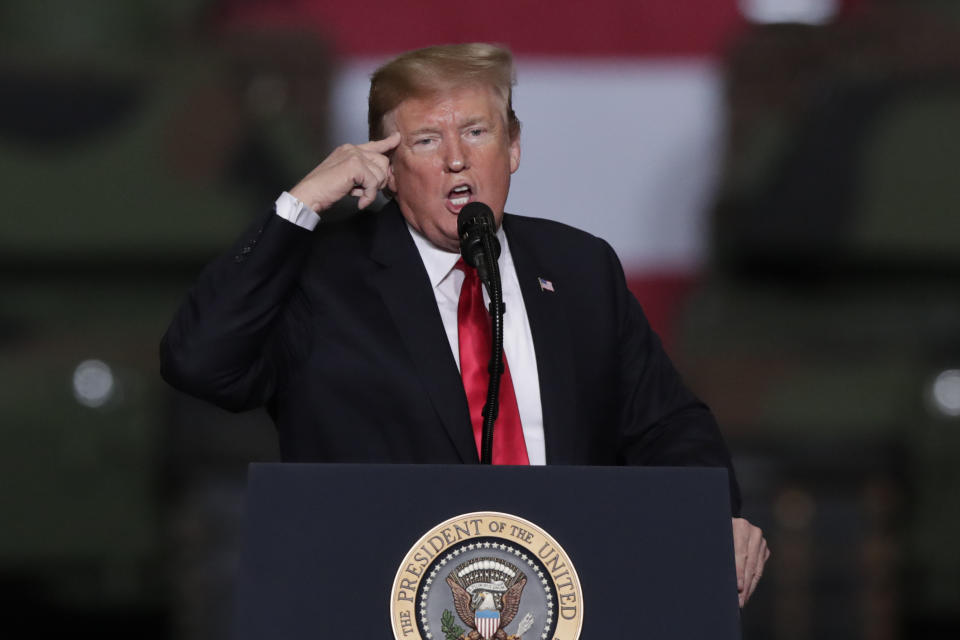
x=515, y=154
x=391, y=179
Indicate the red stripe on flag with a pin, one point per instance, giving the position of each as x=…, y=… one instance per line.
x=662, y=296
x=604, y=28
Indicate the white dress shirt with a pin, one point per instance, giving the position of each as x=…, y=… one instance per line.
x=446, y=282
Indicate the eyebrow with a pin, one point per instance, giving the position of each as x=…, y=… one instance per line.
x=423, y=130
x=479, y=120
x=472, y=122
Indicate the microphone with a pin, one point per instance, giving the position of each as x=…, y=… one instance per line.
x=478, y=240
x=480, y=249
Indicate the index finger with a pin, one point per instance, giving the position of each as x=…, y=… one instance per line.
x=740, y=549
x=752, y=562
x=384, y=145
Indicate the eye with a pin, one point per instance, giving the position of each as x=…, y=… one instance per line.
x=476, y=131
x=424, y=143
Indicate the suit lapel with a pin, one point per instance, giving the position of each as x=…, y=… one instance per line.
x=405, y=289
x=549, y=325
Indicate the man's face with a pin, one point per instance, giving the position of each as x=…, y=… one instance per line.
x=455, y=148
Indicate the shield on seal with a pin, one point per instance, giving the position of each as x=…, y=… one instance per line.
x=487, y=621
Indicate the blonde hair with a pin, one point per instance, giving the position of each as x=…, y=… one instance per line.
x=433, y=70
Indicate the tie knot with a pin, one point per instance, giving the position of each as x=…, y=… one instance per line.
x=469, y=271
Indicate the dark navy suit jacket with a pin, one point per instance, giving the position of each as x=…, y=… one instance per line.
x=337, y=332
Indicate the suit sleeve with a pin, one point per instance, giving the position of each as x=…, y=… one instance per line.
x=663, y=423
x=234, y=336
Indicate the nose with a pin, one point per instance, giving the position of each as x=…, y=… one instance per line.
x=455, y=157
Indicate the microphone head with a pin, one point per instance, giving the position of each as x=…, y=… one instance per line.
x=475, y=221
x=473, y=215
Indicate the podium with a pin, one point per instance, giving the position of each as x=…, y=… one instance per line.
x=370, y=551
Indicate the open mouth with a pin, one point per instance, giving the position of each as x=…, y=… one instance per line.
x=459, y=196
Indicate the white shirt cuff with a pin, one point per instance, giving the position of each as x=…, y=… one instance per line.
x=292, y=210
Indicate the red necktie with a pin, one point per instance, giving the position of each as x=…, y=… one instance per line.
x=473, y=327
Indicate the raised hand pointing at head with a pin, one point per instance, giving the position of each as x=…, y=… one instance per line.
x=357, y=170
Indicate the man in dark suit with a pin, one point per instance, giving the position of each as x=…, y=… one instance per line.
x=351, y=332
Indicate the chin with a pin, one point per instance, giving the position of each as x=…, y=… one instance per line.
x=449, y=240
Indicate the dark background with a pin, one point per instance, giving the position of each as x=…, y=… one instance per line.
x=136, y=140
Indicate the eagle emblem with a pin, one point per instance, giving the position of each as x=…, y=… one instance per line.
x=486, y=594
x=464, y=580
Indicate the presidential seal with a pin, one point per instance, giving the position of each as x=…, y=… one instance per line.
x=486, y=576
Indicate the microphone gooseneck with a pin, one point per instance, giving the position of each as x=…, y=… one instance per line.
x=480, y=249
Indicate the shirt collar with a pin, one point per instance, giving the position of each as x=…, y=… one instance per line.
x=440, y=262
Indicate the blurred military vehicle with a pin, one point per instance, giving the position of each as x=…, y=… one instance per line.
x=136, y=140
x=826, y=335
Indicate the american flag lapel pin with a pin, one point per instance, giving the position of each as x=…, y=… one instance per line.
x=546, y=285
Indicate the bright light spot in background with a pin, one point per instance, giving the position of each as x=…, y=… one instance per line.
x=93, y=383
x=803, y=11
x=946, y=392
